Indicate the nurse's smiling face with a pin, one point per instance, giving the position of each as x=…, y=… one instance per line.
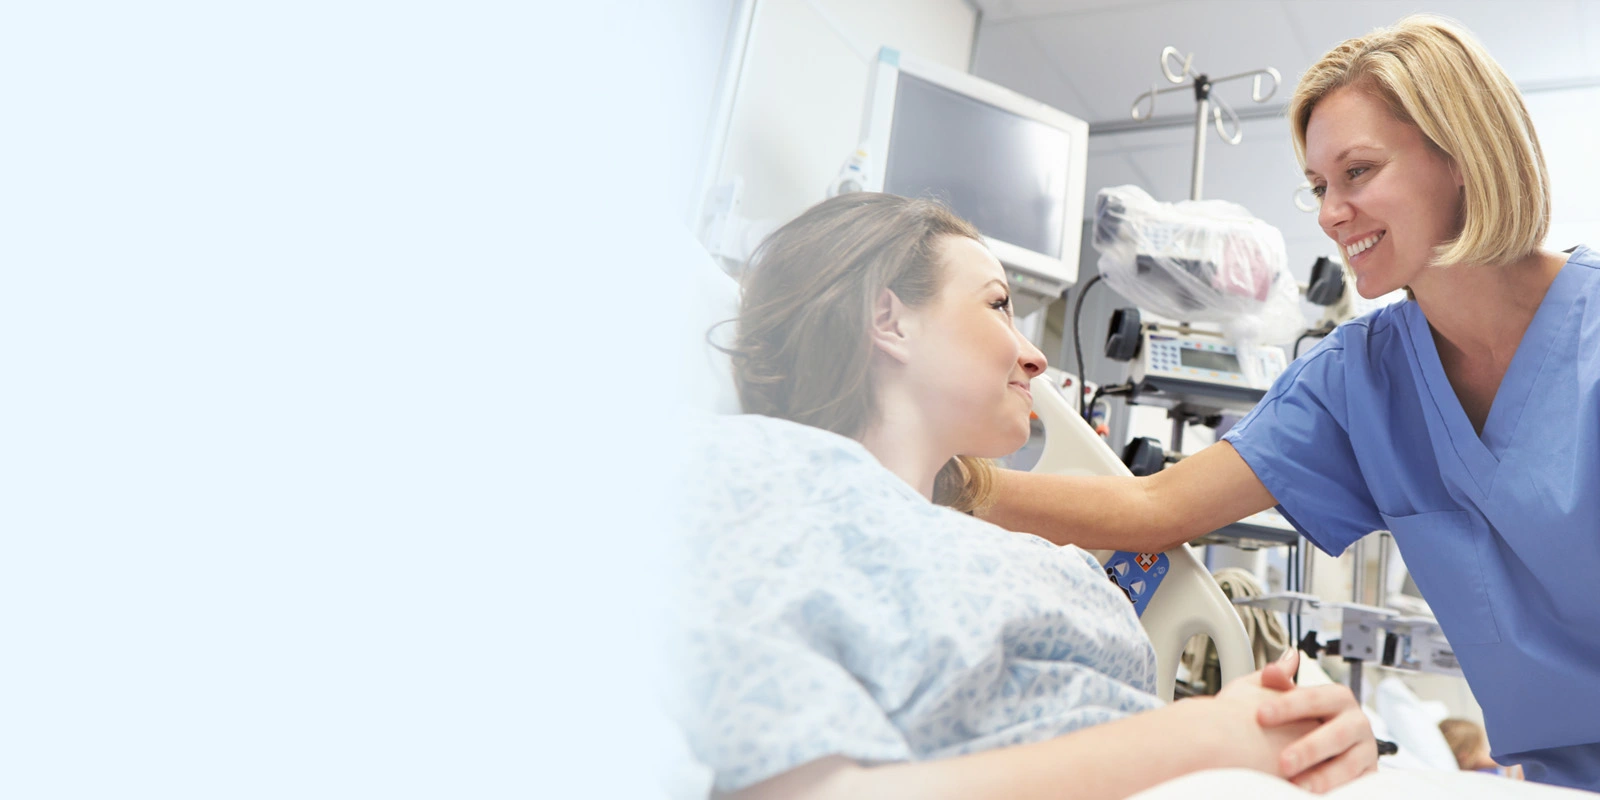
x=1389, y=197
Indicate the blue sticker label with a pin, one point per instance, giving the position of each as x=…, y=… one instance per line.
x=890, y=56
x=1137, y=575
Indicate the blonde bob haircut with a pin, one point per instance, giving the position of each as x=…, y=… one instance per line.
x=1433, y=74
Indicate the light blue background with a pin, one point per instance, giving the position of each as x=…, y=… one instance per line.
x=325, y=332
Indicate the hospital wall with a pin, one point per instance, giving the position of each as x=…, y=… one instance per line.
x=702, y=35
x=796, y=113
x=1566, y=122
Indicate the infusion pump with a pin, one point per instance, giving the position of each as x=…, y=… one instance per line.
x=1167, y=356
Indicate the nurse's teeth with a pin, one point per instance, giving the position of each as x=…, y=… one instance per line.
x=1359, y=247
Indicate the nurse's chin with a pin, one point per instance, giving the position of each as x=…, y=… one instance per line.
x=1372, y=288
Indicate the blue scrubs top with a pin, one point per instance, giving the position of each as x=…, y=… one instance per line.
x=1501, y=532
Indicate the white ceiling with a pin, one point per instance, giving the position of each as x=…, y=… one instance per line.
x=1091, y=58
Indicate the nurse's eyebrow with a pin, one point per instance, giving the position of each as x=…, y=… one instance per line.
x=1344, y=153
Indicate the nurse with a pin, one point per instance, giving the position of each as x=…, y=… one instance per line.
x=1466, y=420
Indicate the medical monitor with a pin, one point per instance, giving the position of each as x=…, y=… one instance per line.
x=1012, y=166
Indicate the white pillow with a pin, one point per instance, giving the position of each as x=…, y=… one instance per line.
x=1414, y=724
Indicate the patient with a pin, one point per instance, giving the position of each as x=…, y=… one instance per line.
x=1470, y=744
x=850, y=631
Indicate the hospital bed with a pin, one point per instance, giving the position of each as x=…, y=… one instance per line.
x=1187, y=601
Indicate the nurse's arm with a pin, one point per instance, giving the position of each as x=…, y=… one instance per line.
x=1201, y=493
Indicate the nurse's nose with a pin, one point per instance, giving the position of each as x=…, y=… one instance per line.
x=1335, y=211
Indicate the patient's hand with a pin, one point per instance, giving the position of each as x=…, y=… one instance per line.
x=1341, y=747
x=1252, y=744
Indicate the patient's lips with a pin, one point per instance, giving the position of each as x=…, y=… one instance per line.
x=1022, y=386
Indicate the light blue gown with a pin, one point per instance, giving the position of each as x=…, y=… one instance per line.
x=1501, y=532
x=829, y=609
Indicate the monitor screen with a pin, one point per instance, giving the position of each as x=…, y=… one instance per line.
x=1208, y=359
x=1005, y=173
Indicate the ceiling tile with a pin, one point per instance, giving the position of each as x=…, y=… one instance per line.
x=1005, y=10
x=1534, y=41
x=1111, y=55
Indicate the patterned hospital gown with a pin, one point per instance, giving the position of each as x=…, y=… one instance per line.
x=828, y=608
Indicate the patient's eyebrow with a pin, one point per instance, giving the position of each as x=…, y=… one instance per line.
x=996, y=281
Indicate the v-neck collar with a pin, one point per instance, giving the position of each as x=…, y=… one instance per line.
x=1482, y=454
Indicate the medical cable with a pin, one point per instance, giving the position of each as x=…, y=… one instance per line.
x=1077, y=342
x=1292, y=583
x=1105, y=391
x=1321, y=330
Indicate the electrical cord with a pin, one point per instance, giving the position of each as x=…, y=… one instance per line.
x=1320, y=330
x=1292, y=583
x=1089, y=410
x=1077, y=342
x=1105, y=391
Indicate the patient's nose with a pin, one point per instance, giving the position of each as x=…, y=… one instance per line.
x=1031, y=359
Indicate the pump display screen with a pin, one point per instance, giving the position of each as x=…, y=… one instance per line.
x=1209, y=360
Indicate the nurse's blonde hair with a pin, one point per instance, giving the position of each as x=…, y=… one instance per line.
x=1433, y=74
x=802, y=351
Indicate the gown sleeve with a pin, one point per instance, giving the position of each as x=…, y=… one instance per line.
x=1298, y=442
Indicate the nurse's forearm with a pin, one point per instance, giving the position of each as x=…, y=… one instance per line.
x=1092, y=512
x=1201, y=493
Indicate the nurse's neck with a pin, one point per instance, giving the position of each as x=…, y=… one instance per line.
x=1485, y=310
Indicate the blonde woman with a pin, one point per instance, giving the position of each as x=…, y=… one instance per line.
x=851, y=632
x=1466, y=420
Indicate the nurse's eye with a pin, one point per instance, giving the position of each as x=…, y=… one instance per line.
x=1356, y=172
x=1319, y=191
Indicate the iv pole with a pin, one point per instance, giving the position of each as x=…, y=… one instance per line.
x=1202, y=85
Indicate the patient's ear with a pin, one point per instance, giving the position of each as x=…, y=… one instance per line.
x=890, y=328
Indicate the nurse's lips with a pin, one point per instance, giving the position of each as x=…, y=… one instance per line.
x=1371, y=239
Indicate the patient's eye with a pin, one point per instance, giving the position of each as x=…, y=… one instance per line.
x=1003, y=304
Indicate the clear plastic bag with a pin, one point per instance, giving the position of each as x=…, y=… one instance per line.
x=1198, y=261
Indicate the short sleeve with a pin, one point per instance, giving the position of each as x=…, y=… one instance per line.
x=1297, y=442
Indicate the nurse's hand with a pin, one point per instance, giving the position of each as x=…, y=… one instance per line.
x=1340, y=749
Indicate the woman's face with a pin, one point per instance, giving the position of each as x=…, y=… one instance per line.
x=970, y=368
x=1388, y=196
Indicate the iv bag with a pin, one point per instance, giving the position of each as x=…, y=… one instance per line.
x=1198, y=261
